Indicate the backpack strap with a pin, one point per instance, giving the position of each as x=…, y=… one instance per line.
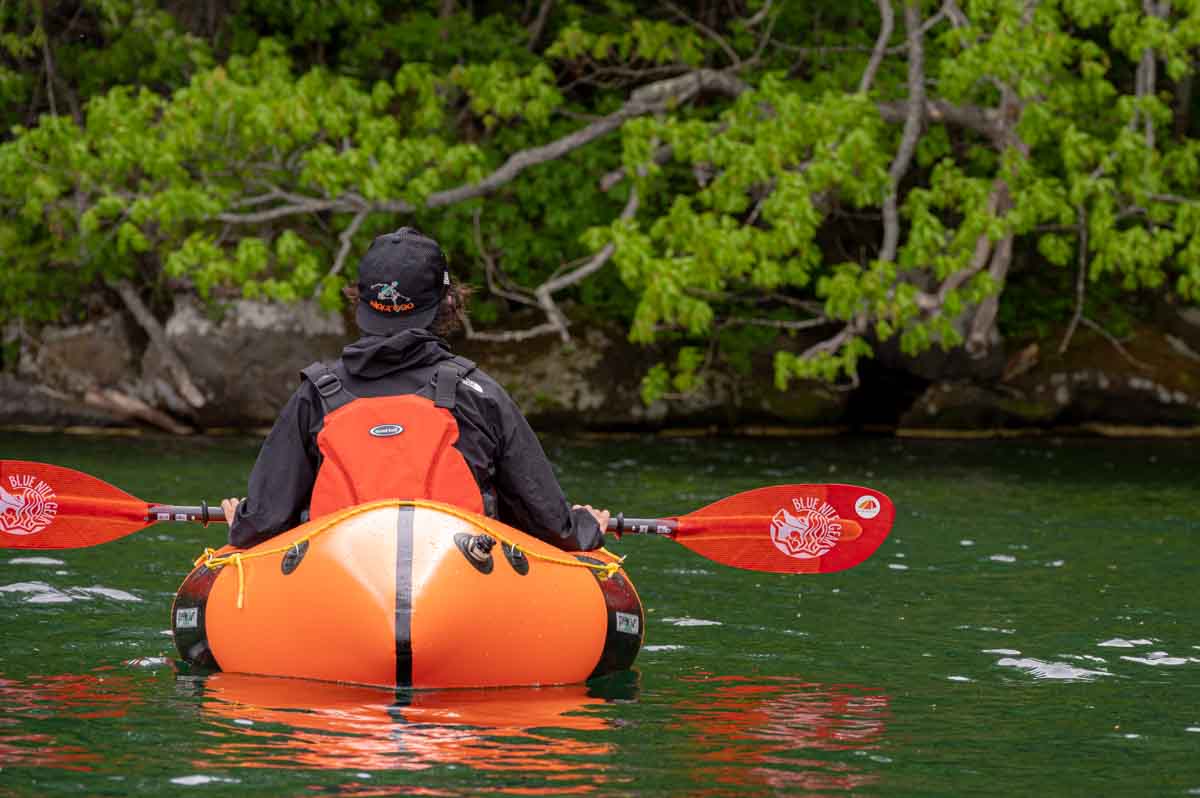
x=449, y=374
x=329, y=386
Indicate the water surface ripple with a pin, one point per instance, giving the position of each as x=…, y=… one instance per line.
x=1029, y=626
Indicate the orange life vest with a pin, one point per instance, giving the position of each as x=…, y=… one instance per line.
x=390, y=447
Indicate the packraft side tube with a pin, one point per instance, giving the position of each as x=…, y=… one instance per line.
x=385, y=594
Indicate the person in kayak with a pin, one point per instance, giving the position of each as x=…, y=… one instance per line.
x=400, y=416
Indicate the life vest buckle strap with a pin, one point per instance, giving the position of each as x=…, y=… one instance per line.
x=327, y=384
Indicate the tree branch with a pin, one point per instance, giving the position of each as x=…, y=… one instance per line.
x=654, y=97
x=346, y=239
x=175, y=367
x=1116, y=344
x=912, y=131
x=887, y=17
x=1080, y=281
x=730, y=53
x=539, y=24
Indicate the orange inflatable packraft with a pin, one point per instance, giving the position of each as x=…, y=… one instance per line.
x=409, y=594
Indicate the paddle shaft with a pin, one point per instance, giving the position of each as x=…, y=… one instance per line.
x=666, y=527
x=205, y=513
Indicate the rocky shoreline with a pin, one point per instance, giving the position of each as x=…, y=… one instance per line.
x=232, y=370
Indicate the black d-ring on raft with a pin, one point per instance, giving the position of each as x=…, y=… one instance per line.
x=516, y=558
x=291, y=560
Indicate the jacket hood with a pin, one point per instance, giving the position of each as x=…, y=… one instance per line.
x=373, y=356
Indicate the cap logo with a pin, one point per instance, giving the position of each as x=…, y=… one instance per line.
x=389, y=300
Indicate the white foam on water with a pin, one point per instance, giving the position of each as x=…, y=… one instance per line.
x=243, y=722
x=52, y=597
x=26, y=587
x=1002, y=558
x=895, y=566
x=107, y=592
x=959, y=678
x=1084, y=658
x=1008, y=652
x=1192, y=729
x=197, y=780
x=663, y=648
x=1051, y=670
x=147, y=662
x=1056, y=563
x=1118, y=642
x=690, y=622
x=966, y=542
x=969, y=628
x=42, y=593
x=1159, y=658
x=39, y=593
x=35, y=561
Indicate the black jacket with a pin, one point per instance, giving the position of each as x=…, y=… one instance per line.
x=517, y=481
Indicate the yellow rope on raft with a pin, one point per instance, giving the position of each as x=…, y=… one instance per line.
x=215, y=561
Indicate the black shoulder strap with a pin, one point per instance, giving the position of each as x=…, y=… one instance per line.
x=329, y=387
x=449, y=374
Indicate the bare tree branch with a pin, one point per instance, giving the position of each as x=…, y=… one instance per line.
x=175, y=367
x=912, y=131
x=539, y=24
x=495, y=278
x=1112, y=339
x=985, y=121
x=347, y=240
x=47, y=58
x=887, y=18
x=780, y=324
x=545, y=290
x=1147, y=72
x=1080, y=280
x=648, y=99
x=730, y=53
x=543, y=298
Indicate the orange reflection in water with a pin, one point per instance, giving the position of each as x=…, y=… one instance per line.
x=778, y=733
x=81, y=696
x=298, y=723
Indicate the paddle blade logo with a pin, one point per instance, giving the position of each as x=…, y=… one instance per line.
x=27, y=505
x=867, y=506
x=810, y=531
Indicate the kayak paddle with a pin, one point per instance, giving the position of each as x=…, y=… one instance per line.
x=50, y=507
x=794, y=529
x=786, y=529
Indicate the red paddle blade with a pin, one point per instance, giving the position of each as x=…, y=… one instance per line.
x=791, y=529
x=49, y=507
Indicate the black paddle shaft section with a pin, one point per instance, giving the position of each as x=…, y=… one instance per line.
x=205, y=513
x=667, y=527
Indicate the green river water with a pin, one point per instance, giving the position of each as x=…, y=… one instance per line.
x=1029, y=627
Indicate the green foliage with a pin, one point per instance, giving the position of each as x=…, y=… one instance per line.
x=231, y=157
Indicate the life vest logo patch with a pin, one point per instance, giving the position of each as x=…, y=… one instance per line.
x=27, y=506
x=810, y=531
x=386, y=430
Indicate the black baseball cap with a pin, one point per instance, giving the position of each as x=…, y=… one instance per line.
x=401, y=282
